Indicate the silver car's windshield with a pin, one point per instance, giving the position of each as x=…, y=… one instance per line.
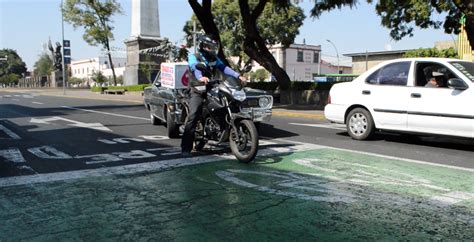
x=466, y=67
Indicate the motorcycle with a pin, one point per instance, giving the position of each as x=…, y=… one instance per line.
x=222, y=119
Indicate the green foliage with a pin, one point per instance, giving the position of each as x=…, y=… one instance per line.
x=147, y=67
x=44, y=65
x=266, y=86
x=95, y=17
x=98, y=89
x=75, y=80
x=98, y=77
x=259, y=75
x=432, y=52
x=276, y=25
x=9, y=79
x=13, y=65
x=400, y=15
x=131, y=88
x=295, y=86
x=301, y=86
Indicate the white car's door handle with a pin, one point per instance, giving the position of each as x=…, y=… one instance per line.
x=365, y=92
x=415, y=95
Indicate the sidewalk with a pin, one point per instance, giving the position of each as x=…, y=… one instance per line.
x=294, y=111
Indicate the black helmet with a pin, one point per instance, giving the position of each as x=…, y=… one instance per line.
x=208, y=46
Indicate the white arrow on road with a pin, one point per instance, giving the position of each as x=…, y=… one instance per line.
x=96, y=126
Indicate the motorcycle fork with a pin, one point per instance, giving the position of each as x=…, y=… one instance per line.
x=231, y=120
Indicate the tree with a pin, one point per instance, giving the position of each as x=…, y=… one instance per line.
x=98, y=77
x=11, y=69
x=95, y=17
x=13, y=64
x=277, y=25
x=44, y=65
x=401, y=15
x=206, y=18
x=259, y=75
x=432, y=52
x=253, y=36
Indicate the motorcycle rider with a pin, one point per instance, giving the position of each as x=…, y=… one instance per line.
x=206, y=56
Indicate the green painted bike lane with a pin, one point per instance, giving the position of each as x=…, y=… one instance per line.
x=320, y=194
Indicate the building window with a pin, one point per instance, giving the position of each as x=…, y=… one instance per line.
x=299, y=56
x=316, y=57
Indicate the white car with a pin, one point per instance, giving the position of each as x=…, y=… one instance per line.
x=393, y=96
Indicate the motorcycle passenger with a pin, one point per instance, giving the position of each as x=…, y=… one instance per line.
x=206, y=56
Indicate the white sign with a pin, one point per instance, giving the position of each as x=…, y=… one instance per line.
x=174, y=75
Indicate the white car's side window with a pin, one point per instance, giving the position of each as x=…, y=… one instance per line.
x=430, y=74
x=391, y=74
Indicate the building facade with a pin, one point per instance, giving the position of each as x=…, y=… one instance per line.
x=363, y=61
x=85, y=68
x=299, y=61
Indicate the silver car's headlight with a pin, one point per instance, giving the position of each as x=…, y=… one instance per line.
x=264, y=102
x=239, y=95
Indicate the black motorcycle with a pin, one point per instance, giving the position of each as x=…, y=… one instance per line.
x=222, y=119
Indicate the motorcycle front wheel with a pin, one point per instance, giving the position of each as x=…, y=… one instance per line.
x=246, y=146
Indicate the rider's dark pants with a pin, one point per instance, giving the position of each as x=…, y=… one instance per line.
x=195, y=111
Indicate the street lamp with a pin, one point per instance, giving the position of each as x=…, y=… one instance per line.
x=337, y=53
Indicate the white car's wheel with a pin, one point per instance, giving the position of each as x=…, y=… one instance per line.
x=360, y=124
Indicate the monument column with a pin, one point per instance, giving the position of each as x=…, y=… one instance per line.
x=145, y=34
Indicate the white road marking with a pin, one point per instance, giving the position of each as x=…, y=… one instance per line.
x=15, y=99
x=12, y=155
x=37, y=103
x=106, y=113
x=159, y=165
x=48, y=152
x=96, y=126
x=9, y=132
x=452, y=197
x=325, y=126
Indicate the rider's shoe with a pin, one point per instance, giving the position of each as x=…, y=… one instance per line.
x=186, y=154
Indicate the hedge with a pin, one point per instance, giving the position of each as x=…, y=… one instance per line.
x=131, y=88
x=296, y=86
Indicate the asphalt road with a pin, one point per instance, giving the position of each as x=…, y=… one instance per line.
x=82, y=128
x=95, y=169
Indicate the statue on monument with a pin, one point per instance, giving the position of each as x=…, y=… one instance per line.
x=57, y=56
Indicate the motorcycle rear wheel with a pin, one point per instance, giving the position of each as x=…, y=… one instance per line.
x=245, y=149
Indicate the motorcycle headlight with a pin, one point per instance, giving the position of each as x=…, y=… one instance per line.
x=239, y=95
x=264, y=102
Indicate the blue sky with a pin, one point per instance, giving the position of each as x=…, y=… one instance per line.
x=26, y=24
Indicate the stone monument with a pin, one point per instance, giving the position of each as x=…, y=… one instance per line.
x=145, y=34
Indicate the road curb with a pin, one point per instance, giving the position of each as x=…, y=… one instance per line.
x=276, y=112
x=290, y=114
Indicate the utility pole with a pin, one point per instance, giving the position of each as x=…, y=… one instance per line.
x=64, y=67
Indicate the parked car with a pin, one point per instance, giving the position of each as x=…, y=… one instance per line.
x=392, y=96
x=165, y=108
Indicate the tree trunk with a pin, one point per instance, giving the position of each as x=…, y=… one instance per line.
x=255, y=47
x=204, y=14
x=470, y=31
x=112, y=66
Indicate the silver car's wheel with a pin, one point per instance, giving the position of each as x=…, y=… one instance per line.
x=154, y=120
x=360, y=124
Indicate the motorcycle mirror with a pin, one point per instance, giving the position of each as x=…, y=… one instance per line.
x=247, y=68
x=201, y=66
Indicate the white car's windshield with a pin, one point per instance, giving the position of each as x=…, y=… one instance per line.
x=467, y=68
